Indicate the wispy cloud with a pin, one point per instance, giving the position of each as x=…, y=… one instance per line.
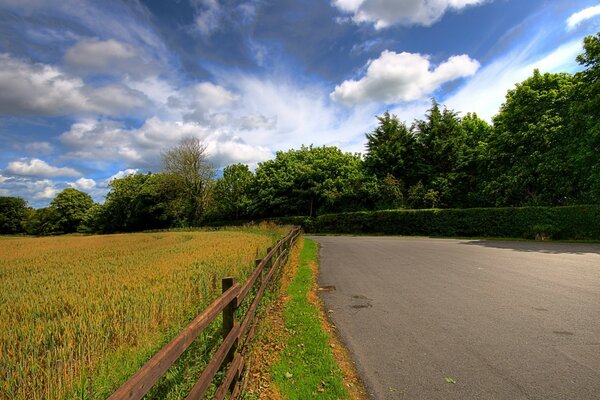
x=583, y=15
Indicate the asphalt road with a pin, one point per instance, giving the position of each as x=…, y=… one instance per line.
x=466, y=319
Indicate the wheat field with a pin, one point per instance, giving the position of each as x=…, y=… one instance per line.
x=79, y=314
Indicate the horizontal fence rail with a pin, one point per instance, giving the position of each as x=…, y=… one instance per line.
x=236, y=336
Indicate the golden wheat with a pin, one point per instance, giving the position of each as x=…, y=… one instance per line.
x=74, y=307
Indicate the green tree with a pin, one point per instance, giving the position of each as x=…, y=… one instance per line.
x=41, y=221
x=309, y=181
x=188, y=163
x=392, y=149
x=143, y=201
x=232, y=197
x=13, y=211
x=585, y=119
x=530, y=154
x=70, y=207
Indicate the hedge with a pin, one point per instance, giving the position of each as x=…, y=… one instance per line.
x=568, y=223
x=574, y=222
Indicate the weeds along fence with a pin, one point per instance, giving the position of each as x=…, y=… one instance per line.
x=236, y=335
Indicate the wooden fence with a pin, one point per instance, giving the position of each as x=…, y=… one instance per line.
x=236, y=336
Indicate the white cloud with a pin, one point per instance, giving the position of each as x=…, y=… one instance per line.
x=47, y=193
x=39, y=89
x=397, y=77
x=384, y=13
x=577, y=18
x=199, y=99
x=122, y=174
x=83, y=184
x=486, y=91
x=37, y=167
x=110, y=141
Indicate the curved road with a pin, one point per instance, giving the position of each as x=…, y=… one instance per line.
x=466, y=319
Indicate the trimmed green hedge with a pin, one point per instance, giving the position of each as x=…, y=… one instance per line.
x=575, y=222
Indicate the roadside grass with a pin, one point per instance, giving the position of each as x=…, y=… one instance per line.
x=306, y=367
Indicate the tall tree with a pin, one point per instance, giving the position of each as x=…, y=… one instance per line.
x=232, y=193
x=530, y=153
x=70, y=207
x=585, y=119
x=392, y=150
x=188, y=163
x=13, y=211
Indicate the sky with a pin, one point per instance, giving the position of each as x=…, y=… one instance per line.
x=93, y=90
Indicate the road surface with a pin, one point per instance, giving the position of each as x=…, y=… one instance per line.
x=466, y=319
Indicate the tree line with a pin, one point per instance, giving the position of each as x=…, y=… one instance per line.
x=542, y=148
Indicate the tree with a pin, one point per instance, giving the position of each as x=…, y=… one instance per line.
x=232, y=192
x=70, y=207
x=142, y=201
x=13, y=211
x=392, y=150
x=308, y=181
x=585, y=119
x=530, y=154
x=188, y=163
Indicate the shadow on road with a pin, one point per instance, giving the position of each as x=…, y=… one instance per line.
x=538, y=247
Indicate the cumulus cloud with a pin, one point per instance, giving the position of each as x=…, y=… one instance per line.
x=397, y=77
x=37, y=167
x=121, y=174
x=112, y=57
x=40, y=89
x=384, y=13
x=83, y=184
x=577, y=18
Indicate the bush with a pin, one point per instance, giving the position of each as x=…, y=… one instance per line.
x=574, y=222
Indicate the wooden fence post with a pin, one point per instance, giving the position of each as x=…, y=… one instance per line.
x=228, y=317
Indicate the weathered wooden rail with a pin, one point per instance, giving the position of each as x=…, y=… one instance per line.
x=236, y=336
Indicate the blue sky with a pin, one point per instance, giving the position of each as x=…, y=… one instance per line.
x=90, y=90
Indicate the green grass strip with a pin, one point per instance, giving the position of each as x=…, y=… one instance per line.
x=306, y=368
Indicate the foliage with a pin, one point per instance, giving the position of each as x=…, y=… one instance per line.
x=12, y=213
x=189, y=166
x=309, y=180
x=573, y=222
x=81, y=314
x=70, y=207
x=143, y=201
x=232, y=193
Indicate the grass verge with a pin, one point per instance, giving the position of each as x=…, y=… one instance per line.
x=306, y=367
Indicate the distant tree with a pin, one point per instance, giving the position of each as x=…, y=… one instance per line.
x=188, y=163
x=232, y=196
x=13, y=211
x=70, y=207
x=41, y=221
x=142, y=201
x=308, y=181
